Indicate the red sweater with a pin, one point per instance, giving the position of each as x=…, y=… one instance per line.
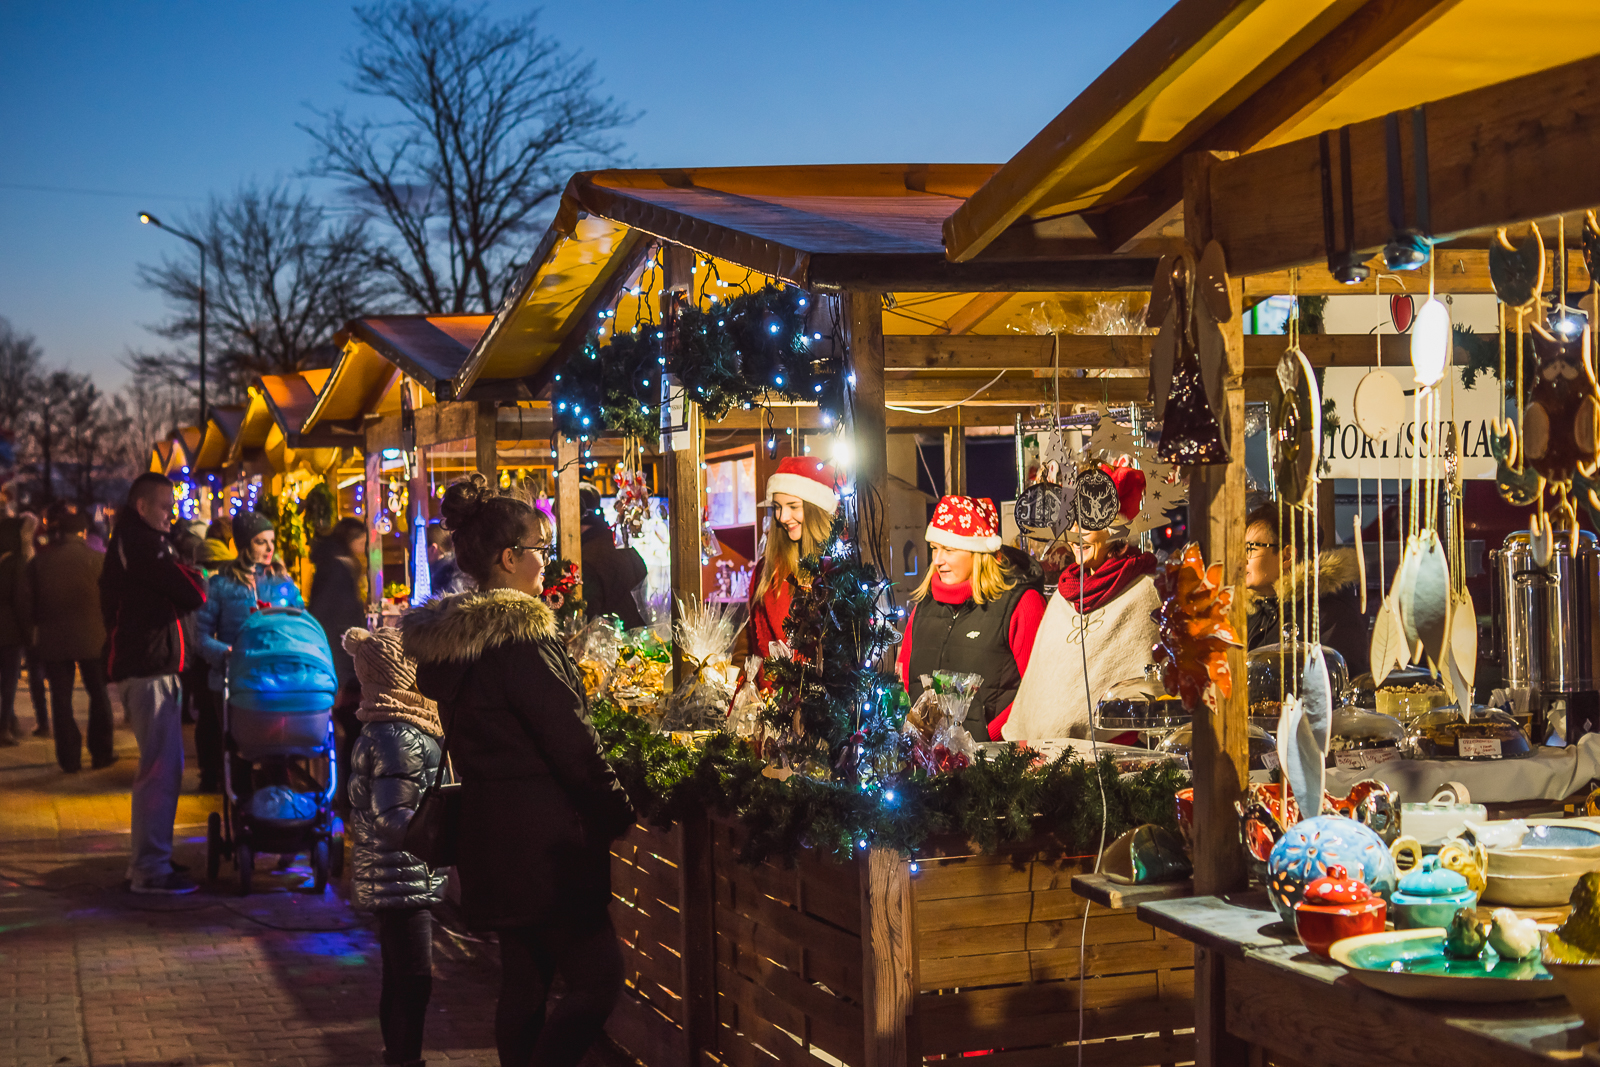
x=1024, y=628
x=767, y=614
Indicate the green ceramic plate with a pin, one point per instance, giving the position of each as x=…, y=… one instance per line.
x=1412, y=963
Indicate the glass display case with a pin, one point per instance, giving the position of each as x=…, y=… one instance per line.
x=1273, y=672
x=1444, y=734
x=1141, y=704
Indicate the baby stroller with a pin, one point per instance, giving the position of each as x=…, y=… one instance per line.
x=279, y=776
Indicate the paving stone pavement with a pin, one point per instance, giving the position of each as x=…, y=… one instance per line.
x=93, y=976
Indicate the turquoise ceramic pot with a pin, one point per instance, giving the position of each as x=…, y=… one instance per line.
x=1311, y=846
x=1429, y=896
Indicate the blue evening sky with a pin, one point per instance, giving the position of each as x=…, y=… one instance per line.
x=162, y=103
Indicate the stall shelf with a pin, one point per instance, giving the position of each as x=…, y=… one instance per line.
x=884, y=958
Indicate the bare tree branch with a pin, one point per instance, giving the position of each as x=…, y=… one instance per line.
x=495, y=116
x=283, y=276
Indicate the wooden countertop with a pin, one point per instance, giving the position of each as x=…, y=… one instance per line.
x=1280, y=996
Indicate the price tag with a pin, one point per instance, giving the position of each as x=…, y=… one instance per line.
x=1359, y=759
x=1269, y=760
x=1479, y=747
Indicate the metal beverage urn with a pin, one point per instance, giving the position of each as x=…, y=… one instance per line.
x=1547, y=631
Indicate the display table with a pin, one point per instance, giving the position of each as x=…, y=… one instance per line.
x=1549, y=774
x=1272, y=1001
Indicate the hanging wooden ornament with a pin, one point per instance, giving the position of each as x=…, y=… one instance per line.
x=1213, y=283
x=1190, y=434
x=1561, y=422
x=1388, y=643
x=1425, y=607
x=1316, y=695
x=1155, y=312
x=1380, y=404
x=1517, y=273
x=1096, y=500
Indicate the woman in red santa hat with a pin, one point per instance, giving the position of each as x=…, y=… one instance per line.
x=976, y=612
x=1097, y=631
x=803, y=494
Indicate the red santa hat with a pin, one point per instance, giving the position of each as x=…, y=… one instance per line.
x=1130, y=489
x=968, y=523
x=809, y=479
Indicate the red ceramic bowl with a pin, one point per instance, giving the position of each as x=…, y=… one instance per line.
x=1320, y=925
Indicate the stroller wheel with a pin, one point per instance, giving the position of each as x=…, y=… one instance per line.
x=336, y=856
x=213, y=846
x=245, y=857
x=319, y=866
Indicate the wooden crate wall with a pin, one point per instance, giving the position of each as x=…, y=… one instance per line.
x=998, y=967
x=788, y=960
x=646, y=884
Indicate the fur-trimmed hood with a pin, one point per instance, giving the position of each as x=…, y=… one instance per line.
x=462, y=627
x=1337, y=571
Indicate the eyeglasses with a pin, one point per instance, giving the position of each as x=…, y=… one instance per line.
x=1256, y=548
x=546, y=552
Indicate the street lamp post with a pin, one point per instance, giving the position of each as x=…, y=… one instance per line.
x=150, y=220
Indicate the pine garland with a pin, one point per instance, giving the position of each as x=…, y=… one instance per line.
x=616, y=386
x=999, y=799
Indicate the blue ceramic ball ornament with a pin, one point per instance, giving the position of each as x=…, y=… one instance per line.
x=1311, y=846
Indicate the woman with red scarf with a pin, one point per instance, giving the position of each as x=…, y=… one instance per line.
x=976, y=612
x=1097, y=631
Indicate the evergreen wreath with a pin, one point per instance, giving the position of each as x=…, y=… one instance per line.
x=616, y=386
x=731, y=356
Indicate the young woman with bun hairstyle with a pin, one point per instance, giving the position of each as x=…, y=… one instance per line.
x=803, y=495
x=539, y=805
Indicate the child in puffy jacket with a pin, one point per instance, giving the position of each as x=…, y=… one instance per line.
x=394, y=762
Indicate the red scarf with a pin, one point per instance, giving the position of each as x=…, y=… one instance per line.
x=1104, y=585
x=950, y=594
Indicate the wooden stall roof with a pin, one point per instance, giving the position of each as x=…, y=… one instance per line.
x=290, y=398
x=376, y=353
x=253, y=427
x=160, y=456
x=823, y=228
x=222, y=426
x=1240, y=75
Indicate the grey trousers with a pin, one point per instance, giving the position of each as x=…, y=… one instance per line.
x=155, y=711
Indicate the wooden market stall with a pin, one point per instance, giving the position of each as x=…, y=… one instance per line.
x=1210, y=124
x=883, y=958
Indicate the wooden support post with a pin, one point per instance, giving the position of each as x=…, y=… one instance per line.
x=697, y=889
x=955, y=457
x=371, y=504
x=682, y=466
x=1214, y=1046
x=1216, y=513
x=487, y=460
x=863, y=318
x=888, y=961
x=569, y=521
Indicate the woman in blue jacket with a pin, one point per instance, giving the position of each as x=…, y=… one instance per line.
x=238, y=589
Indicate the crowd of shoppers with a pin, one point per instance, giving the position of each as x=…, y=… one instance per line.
x=479, y=673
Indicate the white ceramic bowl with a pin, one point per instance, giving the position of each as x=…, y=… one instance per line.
x=1531, y=890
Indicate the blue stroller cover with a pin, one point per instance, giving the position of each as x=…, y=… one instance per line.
x=280, y=663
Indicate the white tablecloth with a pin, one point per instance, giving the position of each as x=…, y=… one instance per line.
x=1549, y=774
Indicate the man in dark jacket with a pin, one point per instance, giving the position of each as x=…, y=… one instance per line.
x=610, y=574
x=144, y=593
x=65, y=581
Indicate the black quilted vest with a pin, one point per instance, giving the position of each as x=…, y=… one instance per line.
x=969, y=638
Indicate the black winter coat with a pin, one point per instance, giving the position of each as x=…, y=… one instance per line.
x=1344, y=628
x=392, y=764
x=335, y=602
x=539, y=804
x=144, y=593
x=16, y=588
x=610, y=575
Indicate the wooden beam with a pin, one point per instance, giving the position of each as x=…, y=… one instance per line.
x=681, y=470
x=569, y=518
x=1219, y=758
x=862, y=312
x=955, y=457
x=888, y=958
x=1456, y=272
x=932, y=272
x=1346, y=53
x=483, y=426
x=975, y=311
x=1519, y=150
x=810, y=419
x=1012, y=391
x=1091, y=352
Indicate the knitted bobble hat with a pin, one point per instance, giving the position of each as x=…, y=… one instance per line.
x=971, y=524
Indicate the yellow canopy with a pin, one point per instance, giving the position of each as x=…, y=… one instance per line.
x=1239, y=76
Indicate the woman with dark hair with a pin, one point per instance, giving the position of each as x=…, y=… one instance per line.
x=1276, y=582
x=338, y=587
x=539, y=805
